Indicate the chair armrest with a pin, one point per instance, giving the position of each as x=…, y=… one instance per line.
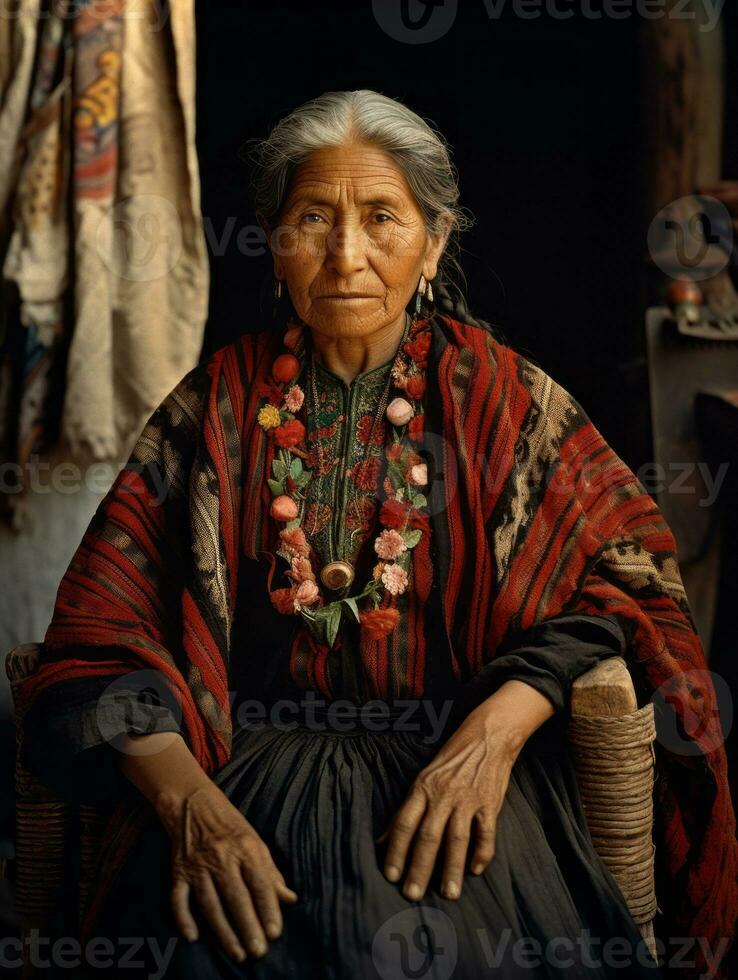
x=607, y=689
x=611, y=742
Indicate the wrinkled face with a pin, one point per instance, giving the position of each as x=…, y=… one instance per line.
x=351, y=242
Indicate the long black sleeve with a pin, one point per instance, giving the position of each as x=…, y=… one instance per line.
x=70, y=731
x=549, y=656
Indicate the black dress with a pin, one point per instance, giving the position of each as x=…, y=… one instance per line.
x=319, y=797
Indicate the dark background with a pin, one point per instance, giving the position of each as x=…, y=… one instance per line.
x=543, y=120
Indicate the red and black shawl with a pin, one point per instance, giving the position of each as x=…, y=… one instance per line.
x=532, y=515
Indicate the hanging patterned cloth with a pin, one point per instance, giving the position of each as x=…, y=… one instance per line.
x=107, y=254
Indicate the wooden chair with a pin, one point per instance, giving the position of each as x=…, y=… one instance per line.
x=611, y=741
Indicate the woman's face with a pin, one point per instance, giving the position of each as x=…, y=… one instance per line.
x=351, y=241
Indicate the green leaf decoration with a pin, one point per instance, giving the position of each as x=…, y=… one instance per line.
x=303, y=478
x=419, y=500
x=412, y=538
x=296, y=468
x=279, y=469
x=351, y=603
x=276, y=487
x=290, y=524
x=333, y=623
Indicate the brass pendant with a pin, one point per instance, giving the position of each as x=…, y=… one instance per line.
x=336, y=575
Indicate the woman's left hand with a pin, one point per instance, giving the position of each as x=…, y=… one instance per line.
x=465, y=785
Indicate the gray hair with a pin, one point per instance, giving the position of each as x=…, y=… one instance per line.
x=335, y=118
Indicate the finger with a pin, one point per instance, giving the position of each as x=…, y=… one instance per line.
x=403, y=827
x=457, y=846
x=484, y=841
x=263, y=892
x=425, y=851
x=212, y=909
x=240, y=906
x=180, y=896
x=286, y=893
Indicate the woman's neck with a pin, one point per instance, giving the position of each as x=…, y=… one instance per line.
x=348, y=356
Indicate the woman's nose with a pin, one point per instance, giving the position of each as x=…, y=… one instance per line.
x=345, y=249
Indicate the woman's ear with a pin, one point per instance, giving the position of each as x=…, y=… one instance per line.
x=266, y=228
x=436, y=248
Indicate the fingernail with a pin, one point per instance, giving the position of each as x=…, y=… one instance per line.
x=257, y=947
x=477, y=868
x=190, y=936
x=392, y=872
x=413, y=892
x=272, y=930
x=452, y=890
x=239, y=954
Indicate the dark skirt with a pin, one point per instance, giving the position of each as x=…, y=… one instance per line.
x=545, y=907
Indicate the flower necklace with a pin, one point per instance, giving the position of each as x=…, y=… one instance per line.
x=400, y=512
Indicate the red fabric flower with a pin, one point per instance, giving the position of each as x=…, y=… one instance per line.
x=283, y=600
x=273, y=393
x=290, y=433
x=394, y=451
x=419, y=347
x=415, y=387
x=416, y=428
x=394, y=513
x=378, y=623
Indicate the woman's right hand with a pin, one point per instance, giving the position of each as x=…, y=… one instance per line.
x=218, y=855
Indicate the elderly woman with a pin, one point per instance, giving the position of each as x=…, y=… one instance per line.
x=355, y=562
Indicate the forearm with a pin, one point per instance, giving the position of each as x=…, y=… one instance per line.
x=162, y=767
x=516, y=709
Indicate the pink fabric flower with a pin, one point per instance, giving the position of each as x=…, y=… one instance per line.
x=400, y=411
x=302, y=570
x=294, y=541
x=394, y=579
x=294, y=399
x=418, y=475
x=306, y=594
x=284, y=508
x=389, y=544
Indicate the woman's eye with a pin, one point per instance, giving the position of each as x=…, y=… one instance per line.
x=381, y=218
x=312, y=215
